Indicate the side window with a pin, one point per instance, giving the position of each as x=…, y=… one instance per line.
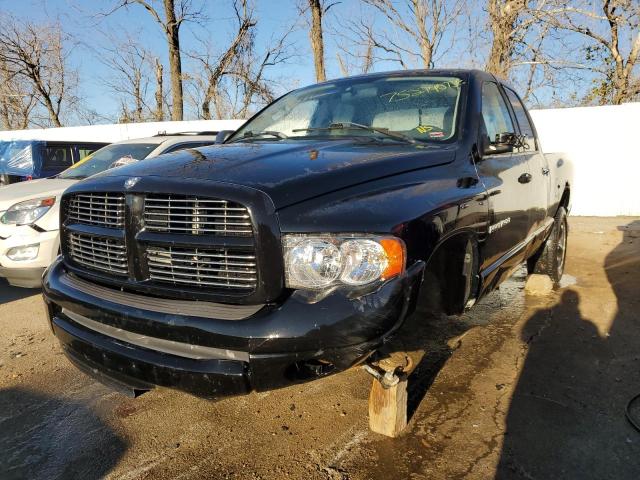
x=521, y=116
x=85, y=150
x=57, y=157
x=495, y=112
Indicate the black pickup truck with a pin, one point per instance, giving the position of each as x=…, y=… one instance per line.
x=299, y=245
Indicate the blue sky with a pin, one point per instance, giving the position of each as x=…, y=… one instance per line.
x=79, y=18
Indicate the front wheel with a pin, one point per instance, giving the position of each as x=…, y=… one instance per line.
x=550, y=259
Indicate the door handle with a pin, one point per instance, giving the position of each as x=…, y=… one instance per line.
x=524, y=178
x=545, y=171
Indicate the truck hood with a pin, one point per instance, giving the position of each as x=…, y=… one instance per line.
x=22, y=191
x=292, y=171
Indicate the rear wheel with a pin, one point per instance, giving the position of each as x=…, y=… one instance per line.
x=550, y=259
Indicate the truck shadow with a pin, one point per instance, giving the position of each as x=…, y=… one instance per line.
x=10, y=294
x=47, y=437
x=566, y=417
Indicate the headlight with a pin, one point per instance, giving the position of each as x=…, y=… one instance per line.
x=20, y=254
x=25, y=213
x=316, y=262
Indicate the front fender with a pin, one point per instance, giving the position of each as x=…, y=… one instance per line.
x=421, y=207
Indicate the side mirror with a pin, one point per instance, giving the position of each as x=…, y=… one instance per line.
x=222, y=135
x=504, y=143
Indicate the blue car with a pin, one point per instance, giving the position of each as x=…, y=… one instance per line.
x=29, y=159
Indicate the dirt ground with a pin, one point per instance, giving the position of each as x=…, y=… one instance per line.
x=536, y=389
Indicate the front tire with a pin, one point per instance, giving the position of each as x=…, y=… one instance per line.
x=550, y=259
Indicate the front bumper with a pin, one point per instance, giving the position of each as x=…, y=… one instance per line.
x=27, y=273
x=278, y=345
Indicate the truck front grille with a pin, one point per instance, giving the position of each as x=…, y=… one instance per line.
x=202, y=267
x=99, y=253
x=195, y=216
x=167, y=242
x=99, y=209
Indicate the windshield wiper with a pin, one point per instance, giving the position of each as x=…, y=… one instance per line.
x=250, y=135
x=347, y=125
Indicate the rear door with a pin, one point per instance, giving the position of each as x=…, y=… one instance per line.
x=540, y=183
x=503, y=175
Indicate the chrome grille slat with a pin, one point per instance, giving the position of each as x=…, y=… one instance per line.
x=189, y=270
x=194, y=266
x=201, y=215
x=99, y=253
x=201, y=283
x=186, y=209
x=177, y=199
x=99, y=209
x=231, y=264
x=189, y=222
x=201, y=230
x=210, y=255
x=195, y=216
x=84, y=249
x=201, y=275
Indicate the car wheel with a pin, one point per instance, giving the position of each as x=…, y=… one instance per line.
x=550, y=259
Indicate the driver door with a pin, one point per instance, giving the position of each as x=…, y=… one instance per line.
x=505, y=179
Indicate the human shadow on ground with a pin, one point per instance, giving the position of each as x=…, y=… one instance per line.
x=53, y=438
x=10, y=294
x=566, y=417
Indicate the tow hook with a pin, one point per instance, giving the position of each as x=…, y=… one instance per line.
x=389, y=371
x=386, y=379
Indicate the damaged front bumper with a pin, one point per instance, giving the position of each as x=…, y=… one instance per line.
x=134, y=343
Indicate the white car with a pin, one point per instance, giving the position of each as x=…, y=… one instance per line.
x=29, y=211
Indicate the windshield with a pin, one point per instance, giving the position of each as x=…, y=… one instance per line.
x=105, y=157
x=413, y=108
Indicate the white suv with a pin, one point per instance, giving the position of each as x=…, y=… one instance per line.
x=29, y=211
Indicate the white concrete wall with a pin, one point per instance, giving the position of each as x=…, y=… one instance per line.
x=602, y=142
x=119, y=131
x=604, y=145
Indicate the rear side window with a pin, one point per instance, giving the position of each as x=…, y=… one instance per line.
x=495, y=112
x=521, y=116
x=57, y=157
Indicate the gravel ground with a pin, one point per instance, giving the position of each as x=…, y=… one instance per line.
x=535, y=389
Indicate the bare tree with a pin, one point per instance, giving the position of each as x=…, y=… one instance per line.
x=317, y=10
x=130, y=66
x=250, y=74
x=355, y=57
x=505, y=21
x=173, y=15
x=610, y=27
x=159, y=94
x=37, y=54
x=527, y=51
x=234, y=79
x=17, y=99
x=413, y=31
x=217, y=67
